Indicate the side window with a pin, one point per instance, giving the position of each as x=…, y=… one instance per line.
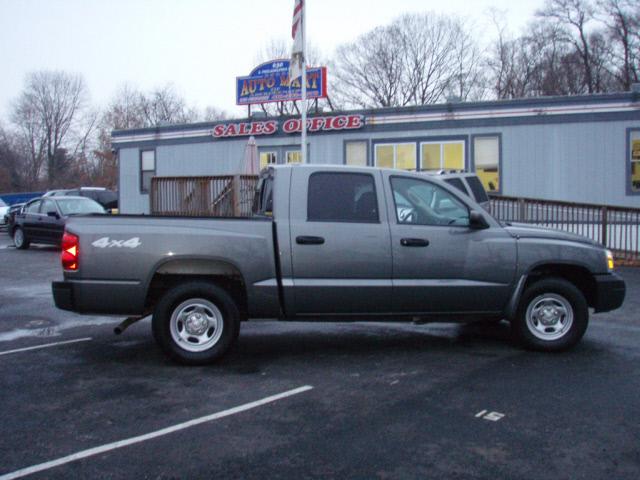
x=147, y=169
x=342, y=197
x=33, y=207
x=48, y=207
x=424, y=203
x=634, y=144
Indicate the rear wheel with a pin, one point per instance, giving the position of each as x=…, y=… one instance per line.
x=20, y=239
x=196, y=323
x=553, y=315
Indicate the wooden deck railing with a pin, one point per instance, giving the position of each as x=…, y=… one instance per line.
x=618, y=228
x=217, y=196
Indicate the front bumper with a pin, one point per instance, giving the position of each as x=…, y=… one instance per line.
x=610, y=292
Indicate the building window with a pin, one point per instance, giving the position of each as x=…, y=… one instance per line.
x=442, y=155
x=634, y=146
x=268, y=158
x=147, y=169
x=294, y=156
x=396, y=155
x=356, y=153
x=342, y=197
x=486, y=158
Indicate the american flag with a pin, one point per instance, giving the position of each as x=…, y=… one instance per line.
x=297, y=56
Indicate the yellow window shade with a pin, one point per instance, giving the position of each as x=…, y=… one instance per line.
x=453, y=156
x=384, y=156
x=406, y=156
x=430, y=156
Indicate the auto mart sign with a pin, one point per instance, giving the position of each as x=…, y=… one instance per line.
x=292, y=125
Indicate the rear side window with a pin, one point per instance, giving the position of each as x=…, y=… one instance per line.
x=457, y=183
x=342, y=197
x=479, y=193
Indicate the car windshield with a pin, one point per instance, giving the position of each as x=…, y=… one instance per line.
x=78, y=206
x=2, y=204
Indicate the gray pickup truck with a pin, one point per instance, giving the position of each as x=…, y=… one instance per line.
x=330, y=242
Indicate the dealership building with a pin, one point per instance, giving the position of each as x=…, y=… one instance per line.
x=576, y=148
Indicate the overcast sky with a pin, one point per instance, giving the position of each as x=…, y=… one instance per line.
x=198, y=45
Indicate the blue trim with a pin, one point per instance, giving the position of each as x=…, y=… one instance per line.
x=627, y=162
x=472, y=161
x=443, y=107
x=356, y=140
x=402, y=127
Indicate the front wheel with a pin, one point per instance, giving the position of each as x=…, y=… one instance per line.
x=552, y=316
x=20, y=239
x=196, y=323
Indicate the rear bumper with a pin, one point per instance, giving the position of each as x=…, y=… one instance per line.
x=99, y=297
x=610, y=292
x=63, y=295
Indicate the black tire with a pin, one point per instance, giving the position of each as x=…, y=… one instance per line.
x=196, y=348
x=557, y=296
x=20, y=239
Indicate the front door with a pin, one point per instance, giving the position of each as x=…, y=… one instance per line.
x=340, y=243
x=440, y=264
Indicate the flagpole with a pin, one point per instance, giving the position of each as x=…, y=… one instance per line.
x=304, y=83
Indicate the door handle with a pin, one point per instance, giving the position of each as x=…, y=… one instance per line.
x=414, y=242
x=305, y=240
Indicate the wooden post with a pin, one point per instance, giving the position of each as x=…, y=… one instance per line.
x=522, y=214
x=235, y=195
x=604, y=226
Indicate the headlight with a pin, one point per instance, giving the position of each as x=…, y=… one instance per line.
x=609, y=260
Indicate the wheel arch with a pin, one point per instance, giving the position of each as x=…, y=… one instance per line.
x=172, y=272
x=576, y=274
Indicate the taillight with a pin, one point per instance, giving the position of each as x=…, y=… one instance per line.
x=70, y=251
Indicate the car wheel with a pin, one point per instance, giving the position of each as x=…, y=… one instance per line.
x=20, y=239
x=552, y=316
x=196, y=323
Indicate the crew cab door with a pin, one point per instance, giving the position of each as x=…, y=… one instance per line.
x=340, y=242
x=441, y=264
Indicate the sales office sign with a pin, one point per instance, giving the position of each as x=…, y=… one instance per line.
x=292, y=125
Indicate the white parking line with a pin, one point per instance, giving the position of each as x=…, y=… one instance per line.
x=46, y=345
x=158, y=433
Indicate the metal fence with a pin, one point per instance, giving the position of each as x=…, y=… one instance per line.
x=618, y=228
x=218, y=196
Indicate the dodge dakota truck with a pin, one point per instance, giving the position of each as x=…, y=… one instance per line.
x=335, y=242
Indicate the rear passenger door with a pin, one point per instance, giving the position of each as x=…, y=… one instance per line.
x=340, y=243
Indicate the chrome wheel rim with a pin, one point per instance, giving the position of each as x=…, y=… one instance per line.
x=18, y=238
x=549, y=316
x=196, y=325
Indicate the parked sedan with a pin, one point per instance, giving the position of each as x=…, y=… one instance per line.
x=4, y=209
x=10, y=216
x=43, y=220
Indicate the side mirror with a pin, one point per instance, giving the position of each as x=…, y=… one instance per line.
x=477, y=220
x=53, y=214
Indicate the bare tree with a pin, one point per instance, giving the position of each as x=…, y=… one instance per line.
x=622, y=20
x=50, y=113
x=575, y=16
x=12, y=174
x=418, y=59
x=164, y=106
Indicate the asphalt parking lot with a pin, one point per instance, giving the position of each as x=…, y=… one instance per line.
x=309, y=400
